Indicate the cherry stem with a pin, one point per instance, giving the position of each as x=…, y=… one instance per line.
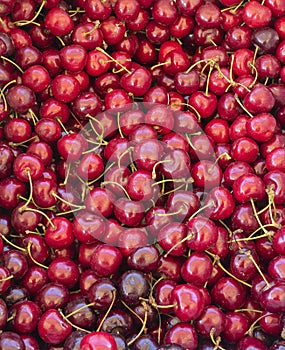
x=250, y=330
x=25, y=22
x=66, y=202
x=190, y=236
x=249, y=310
x=108, y=311
x=100, y=136
x=143, y=325
x=210, y=204
x=31, y=189
x=257, y=217
x=99, y=177
x=251, y=237
x=128, y=150
x=255, y=75
x=167, y=180
x=12, y=244
x=194, y=65
x=216, y=341
x=79, y=309
x=119, y=126
x=242, y=106
x=225, y=270
x=32, y=258
x=16, y=144
x=161, y=64
x=189, y=106
x=69, y=211
x=2, y=92
x=170, y=214
x=60, y=40
x=67, y=174
x=171, y=191
x=111, y=58
x=41, y=213
x=13, y=63
x=71, y=324
x=224, y=154
x=61, y=124
x=6, y=278
x=116, y=184
x=132, y=311
x=153, y=174
x=249, y=254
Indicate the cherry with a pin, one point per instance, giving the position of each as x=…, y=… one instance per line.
x=197, y=269
x=5, y=279
x=243, y=218
x=133, y=285
x=26, y=315
x=248, y=342
x=202, y=233
x=137, y=82
x=182, y=334
x=248, y=187
x=47, y=323
x=105, y=260
x=99, y=201
x=156, y=33
x=211, y=321
x=221, y=203
x=58, y=22
x=128, y=212
x=102, y=340
x=256, y=15
x=35, y=279
x=236, y=326
x=21, y=98
x=206, y=174
x=144, y=259
x=228, y=293
x=11, y=339
x=64, y=271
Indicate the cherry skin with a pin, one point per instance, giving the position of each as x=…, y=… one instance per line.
x=26, y=315
x=197, y=268
x=131, y=239
x=171, y=235
x=105, y=260
x=95, y=340
x=64, y=271
x=144, y=259
x=52, y=295
x=47, y=323
x=58, y=22
x=202, y=232
x=181, y=295
x=59, y=235
x=133, y=285
x=221, y=203
x=11, y=189
x=228, y=293
x=182, y=334
x=248, y=187
x=212, y=318
x=235, y=326
x=256, y=15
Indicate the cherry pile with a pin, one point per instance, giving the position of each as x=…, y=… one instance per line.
x=142, y=174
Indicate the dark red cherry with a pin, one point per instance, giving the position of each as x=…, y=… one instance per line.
x=197, y=268
x=228, y=293
x=256, y=15
x=64, y=271
x=58, y=22
x=105, y=260
x=202, y=233
x=248, y=187
x=212, y=319
x=236, y=326
x=21, y=98
x=183, y=334
x=47, y=323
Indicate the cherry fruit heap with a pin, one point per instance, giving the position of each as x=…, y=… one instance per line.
x=142, y=174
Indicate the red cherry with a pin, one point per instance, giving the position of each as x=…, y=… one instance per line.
x=50, y=321
x=98, y=340
x=256, y=15
x=58, y=22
